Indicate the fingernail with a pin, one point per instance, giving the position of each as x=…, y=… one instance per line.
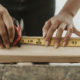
x=44, y=34
x=46, y=43
x=11, y=40
x=56, y=45
x=7, y=46
x=64, y=43
x=1, y=47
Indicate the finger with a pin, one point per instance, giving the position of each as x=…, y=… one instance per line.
x=8, y=22
x=46, y=27
x=1, y=44
x=59, y=34
x=50, y=32
x=68, y=35
x=5, y=38
x=4, y=34
x=10, y=26
x=76, y=31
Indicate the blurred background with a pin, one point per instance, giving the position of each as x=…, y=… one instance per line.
x=59, y=5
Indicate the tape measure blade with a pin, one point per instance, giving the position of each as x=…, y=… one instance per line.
x=73, y=42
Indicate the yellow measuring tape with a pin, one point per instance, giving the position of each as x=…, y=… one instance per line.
x=73, y=42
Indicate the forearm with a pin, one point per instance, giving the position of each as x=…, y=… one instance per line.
x=71, y=7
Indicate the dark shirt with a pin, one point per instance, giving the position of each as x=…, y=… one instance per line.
x=33, y=12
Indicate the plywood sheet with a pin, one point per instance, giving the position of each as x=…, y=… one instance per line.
x=32, y=53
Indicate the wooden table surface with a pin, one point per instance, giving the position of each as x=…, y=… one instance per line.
x=32, y=53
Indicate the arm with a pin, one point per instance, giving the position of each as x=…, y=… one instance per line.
x=62, y=21
x=71, y=7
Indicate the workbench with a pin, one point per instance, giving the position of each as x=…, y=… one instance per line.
x=33, y=53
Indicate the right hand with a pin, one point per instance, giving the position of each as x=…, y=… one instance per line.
x=62, y=21
x=7, y=31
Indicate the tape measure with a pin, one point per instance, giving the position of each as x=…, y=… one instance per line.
x=73, y=42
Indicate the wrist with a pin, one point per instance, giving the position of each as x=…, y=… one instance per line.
x=67, y=12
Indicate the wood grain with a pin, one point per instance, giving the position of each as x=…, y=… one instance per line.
x=32, y=53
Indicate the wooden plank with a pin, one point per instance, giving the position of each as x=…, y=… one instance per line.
x=31, y=53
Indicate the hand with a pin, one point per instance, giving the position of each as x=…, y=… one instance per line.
x=63, y=21
x=7, y=31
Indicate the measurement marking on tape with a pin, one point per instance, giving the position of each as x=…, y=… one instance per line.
x=73, y=42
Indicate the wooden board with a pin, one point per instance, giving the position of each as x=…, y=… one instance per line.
x=32, y=53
